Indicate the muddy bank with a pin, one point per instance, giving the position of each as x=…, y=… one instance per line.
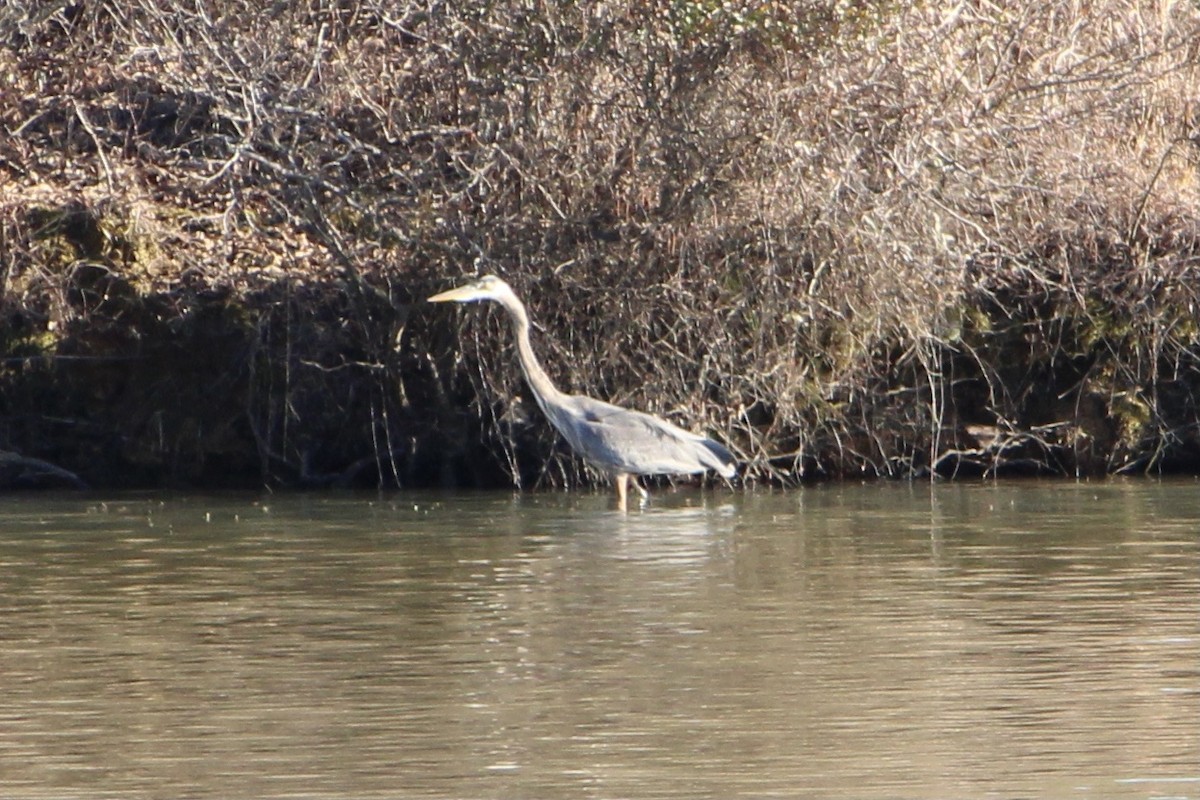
x=345, y=384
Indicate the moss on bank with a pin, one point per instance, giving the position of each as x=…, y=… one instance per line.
x=875, y=240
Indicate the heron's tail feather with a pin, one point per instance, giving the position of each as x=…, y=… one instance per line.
x=722, y=460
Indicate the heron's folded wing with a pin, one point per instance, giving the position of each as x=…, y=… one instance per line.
x=630, y=441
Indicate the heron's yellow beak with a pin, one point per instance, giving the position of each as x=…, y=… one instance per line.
x=460, y=295
x=489, y=287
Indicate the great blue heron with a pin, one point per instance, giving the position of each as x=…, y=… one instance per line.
x=616, y=440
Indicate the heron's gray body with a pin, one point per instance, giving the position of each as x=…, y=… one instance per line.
x=617, y=440
x=620, y=440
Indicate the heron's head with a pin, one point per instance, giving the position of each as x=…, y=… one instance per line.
x=488, y=287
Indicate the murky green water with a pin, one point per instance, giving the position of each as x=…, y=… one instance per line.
x=1013, y=640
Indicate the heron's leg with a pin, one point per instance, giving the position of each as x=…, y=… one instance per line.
x=641, y=490
x=622, y=481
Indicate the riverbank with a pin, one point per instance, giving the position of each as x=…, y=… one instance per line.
x=881, y=241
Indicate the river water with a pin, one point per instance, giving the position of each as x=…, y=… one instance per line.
x=877, y=641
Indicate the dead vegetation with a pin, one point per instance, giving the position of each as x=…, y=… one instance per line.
x=867, y=238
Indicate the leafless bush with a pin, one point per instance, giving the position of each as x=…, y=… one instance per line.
x=839, y=236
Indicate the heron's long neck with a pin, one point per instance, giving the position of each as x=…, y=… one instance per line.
x=537, y=378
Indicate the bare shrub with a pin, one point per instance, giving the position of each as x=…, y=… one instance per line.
x=839, y=236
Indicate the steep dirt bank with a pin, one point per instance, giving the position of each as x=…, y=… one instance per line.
x=878, y=241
